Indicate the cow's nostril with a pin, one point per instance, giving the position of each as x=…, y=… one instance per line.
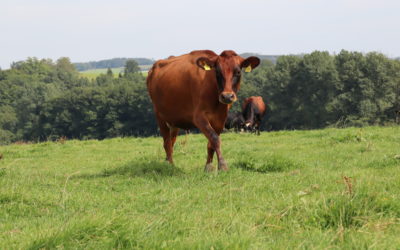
x=229, y=96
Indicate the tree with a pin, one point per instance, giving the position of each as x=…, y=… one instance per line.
x=316, y=83
x=8, y=121
x=131, y=67
x=368, y=91
x=109, y=72
x=280, y=94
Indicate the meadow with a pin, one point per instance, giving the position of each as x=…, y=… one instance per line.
x=93, y=73
x=318, y=189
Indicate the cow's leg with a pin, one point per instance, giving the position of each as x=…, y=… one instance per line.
x=258, y=124
x=222, y=165
x=168, y=142
x=210, y=155
x=214, y=144
x=173, y=133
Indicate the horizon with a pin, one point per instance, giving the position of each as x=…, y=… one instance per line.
x=240, y=53
x=155, y=59
x=92, y=30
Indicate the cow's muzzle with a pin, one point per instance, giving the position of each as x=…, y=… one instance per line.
x=227, y=97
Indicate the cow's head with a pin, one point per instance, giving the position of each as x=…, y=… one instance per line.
x=228, y=70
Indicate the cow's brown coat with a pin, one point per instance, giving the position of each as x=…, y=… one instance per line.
x=256, y=117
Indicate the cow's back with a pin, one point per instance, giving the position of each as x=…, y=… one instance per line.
x=258, y=102
x=175, y=86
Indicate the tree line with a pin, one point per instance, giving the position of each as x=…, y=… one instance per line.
x=318, y=90
x=45, y=100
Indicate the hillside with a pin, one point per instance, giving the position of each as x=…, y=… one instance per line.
x=110, y=63
x=320, y=189
x=145, y=62
x=271, y=58
x=93, y=73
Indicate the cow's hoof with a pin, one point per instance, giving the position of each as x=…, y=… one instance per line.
x=209, y=168
x=222, y=166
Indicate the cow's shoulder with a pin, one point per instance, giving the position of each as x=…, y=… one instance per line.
x=203, y=53
x=164, y=62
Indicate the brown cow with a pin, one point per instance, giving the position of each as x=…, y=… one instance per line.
x=196, y=90
x=253, y=111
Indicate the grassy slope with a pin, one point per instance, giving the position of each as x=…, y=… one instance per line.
x=284, y=190
x=93, y=73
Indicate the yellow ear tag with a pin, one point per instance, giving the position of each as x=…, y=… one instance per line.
x=247, y=69
x=206, y=67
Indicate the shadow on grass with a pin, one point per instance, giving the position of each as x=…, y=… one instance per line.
x=85, y=232
x=274, y=163
x=147, y=169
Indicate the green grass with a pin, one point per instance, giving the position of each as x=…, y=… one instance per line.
x=93, y=73
x=331, y=188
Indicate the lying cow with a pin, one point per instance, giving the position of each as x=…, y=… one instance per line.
x=253, y=111
x=196, y=90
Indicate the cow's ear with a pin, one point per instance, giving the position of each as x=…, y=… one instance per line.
x=205, y=63
x=250, y=63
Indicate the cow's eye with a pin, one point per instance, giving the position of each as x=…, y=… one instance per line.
x=238, y=73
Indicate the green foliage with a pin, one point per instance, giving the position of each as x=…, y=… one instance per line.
x=319, y=90
x=131, y=67
x=368, y=88
x=109, y=72
x=42, y=99
x=8, y=121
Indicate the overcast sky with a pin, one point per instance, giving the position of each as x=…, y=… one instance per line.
x=85, y=30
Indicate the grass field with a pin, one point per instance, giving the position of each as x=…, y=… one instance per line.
x=93, y=73
x=331, y=188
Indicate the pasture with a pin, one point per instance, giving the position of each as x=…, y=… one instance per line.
x=331, y=188
x=93, y=73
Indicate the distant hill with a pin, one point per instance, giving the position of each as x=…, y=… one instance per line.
x=120, y=62
x=271, y=58
x=110, y=63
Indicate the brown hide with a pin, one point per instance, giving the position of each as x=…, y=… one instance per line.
x=258, y=101
x=196, y=90
x=258, y=111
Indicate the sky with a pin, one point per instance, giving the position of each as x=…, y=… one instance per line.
x=88, y=30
